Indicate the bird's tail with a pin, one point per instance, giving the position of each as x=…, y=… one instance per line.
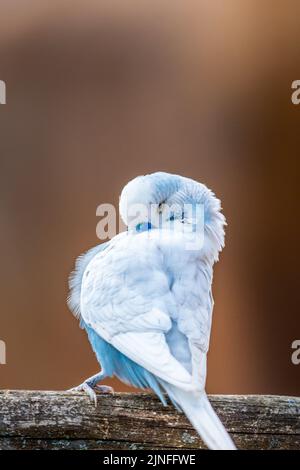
x=202, y=416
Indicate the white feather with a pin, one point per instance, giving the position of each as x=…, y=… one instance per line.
x=150, y=297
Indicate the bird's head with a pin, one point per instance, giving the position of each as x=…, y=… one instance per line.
x=160, y=199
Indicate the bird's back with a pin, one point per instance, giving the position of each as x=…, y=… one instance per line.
x=156, y=273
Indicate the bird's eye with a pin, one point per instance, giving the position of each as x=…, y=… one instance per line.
x=172, y=217
x=160, y=206
x=141, y=227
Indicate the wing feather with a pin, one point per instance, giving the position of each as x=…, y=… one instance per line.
x=125, y=299
x=150, y=350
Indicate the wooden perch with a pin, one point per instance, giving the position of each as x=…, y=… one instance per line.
x=62, y=420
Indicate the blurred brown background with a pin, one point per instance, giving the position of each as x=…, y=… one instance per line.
x=99, y=92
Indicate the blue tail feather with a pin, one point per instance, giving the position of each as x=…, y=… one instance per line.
x=114, y=363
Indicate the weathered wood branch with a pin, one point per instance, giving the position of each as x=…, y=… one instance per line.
x=62, y=420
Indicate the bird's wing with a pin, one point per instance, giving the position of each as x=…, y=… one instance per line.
x=193, y=293
x=125, y=298
x=75, y=279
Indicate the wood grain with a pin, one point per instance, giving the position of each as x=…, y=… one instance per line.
x=64, y=420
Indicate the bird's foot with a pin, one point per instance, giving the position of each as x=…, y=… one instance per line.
x=104, y=389
x=91, y=390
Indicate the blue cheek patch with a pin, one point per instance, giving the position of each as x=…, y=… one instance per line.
x=144, y=226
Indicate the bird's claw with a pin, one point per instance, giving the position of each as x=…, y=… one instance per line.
x=104, y=389
x=85, y=387
x=91, y=390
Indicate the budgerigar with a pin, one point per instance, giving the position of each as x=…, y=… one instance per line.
x=144, y=298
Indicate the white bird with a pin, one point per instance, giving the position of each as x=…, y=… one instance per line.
x=145, y=297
